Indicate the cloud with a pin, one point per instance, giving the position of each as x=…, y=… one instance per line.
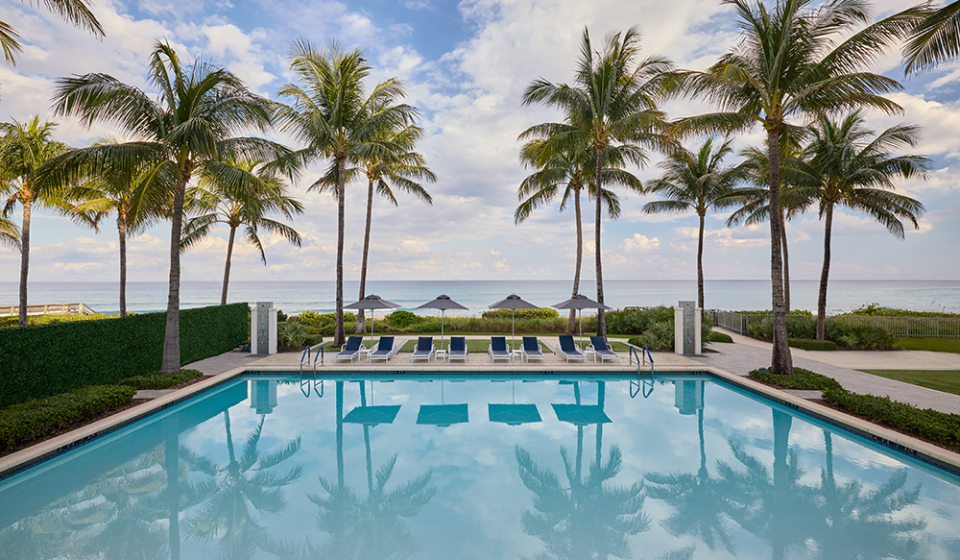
x=639, y=243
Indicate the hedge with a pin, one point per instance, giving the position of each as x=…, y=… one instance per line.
x=720, y=337
x=932, y=425
x=47, y=360
x=38, y=418
x=802, y=379
x=156, y=380
x=811, y=344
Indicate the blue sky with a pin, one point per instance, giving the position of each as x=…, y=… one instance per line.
x=465, y=65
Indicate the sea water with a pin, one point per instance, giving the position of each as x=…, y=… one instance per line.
x=478, y=295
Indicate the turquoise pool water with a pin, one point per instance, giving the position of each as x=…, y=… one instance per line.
x=570, y=467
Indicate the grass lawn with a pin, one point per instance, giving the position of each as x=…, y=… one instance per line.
x=931, y=344
x=947, y=381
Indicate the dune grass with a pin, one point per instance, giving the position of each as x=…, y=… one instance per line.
x=931, y=344
x=947, y=381
x=474, y=346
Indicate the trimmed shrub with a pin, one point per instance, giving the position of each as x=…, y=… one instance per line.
x=931, y=425
x=13, y=321
x=801, y=379
x=811, y=344
x=37, y=418
x=715, y=336
x=48, y=360
x=542, y=313
x=156, y=380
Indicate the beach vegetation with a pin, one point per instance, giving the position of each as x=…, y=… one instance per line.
x=612, y=109
x=332, y=114
x=793, y=62
x=850, y=336
x=539, y=313
x=875, y=310
x=38, y=418
x=191, y=129
x=401, y=318
x=12, y=320
x=240, y=192
x=698, y=182
x=157, y=381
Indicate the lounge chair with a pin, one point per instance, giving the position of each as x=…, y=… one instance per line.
x=498, y=349
x=531, y=349
x=385, y=349
x=602, y=350
x=351, y=350
x=569, y=350
x=424, y=349
x=458, y=349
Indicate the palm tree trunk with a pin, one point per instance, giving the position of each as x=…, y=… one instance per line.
x=601, y=318
x=824, y=274
x=781, y=448
x=572, y=323
x=338, y=333
x=122, y=234
x=700, y=266
x=226, y=267
x=171, y=337
x=781, y=360
x=24, y=255
x=361, y=319
x=786, y=264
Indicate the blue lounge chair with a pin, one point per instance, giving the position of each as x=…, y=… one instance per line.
x=458, y=349
x=385, y=349
x=602, y=350
x=498, y=349
x=424, y=349
x=531, y=349
x=569, y=350
x=350, y=350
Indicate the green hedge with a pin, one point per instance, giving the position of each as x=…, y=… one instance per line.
x=156, y=380
x=47, y=360
x=931, y=425
x=801, y=379
x=811, y=344
x=720, y=337
x=37, y=418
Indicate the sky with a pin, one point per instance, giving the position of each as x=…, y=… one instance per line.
x=465, y=66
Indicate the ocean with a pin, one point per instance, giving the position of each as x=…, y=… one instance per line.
x=477, y=295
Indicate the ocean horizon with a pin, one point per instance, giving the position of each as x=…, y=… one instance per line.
x=477, y=295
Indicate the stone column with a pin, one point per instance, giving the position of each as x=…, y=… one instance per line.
x=686, y=321
x=263, y=328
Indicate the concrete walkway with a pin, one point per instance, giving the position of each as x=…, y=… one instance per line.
x=747, y=354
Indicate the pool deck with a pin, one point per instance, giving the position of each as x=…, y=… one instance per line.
x=730, y=362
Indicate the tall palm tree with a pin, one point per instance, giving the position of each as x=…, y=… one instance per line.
x=570, y=170
x=335, y=118
x=612, y=108
x=76, y=12
x=789, y=65
x=245, y=199
x=935, y=38
x=698, y=182
x=855, y=169
x=194, y=125
x=404, y=168
x=24, y=147
x=138, y=195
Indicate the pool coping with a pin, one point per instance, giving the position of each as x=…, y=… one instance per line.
x=910, y=446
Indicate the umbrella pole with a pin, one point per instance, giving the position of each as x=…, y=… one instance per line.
x=513, y=330
x=580, y=312
x=441, y=328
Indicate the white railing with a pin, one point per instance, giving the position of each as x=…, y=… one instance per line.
x=49, y=309
x=900, y=327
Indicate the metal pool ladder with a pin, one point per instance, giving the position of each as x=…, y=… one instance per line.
x=305, y=383
x=641, y=385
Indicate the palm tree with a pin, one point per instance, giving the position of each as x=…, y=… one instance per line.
x=403, y=168
x=789, y=65
x=935, y=38
x=189, y=130
x=572, y=171
x=612, y=109
x=136, y=193
x=24, y=147
x=854, y=168
x=698, y=182
x=76, y=12
x=334, y=118
x=241, y=193
x=9, y=233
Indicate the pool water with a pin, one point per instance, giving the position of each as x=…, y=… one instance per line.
x=559, y=467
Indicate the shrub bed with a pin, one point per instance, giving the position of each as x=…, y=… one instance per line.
x=805, y=327
x=811, y=344
x=801, y=379
x=932, y=425
x=48, y=360
x=38, y=418
x=156, y=380
x=720, y=337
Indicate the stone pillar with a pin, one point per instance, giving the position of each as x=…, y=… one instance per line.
x=686, y=321
x=263, y=328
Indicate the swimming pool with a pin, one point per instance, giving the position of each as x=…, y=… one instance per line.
x=482, y=467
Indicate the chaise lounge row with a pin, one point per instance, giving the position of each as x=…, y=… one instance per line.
x=425, y=349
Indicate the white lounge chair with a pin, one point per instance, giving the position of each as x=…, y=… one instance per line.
x=569, y=350
x=531, y=349
x=385, y=349
x=458, y=349
x=424, y=349
x=351, y=350
x=602, y=350
x=498, y=349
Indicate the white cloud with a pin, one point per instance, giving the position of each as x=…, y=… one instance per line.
x=639, y=243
